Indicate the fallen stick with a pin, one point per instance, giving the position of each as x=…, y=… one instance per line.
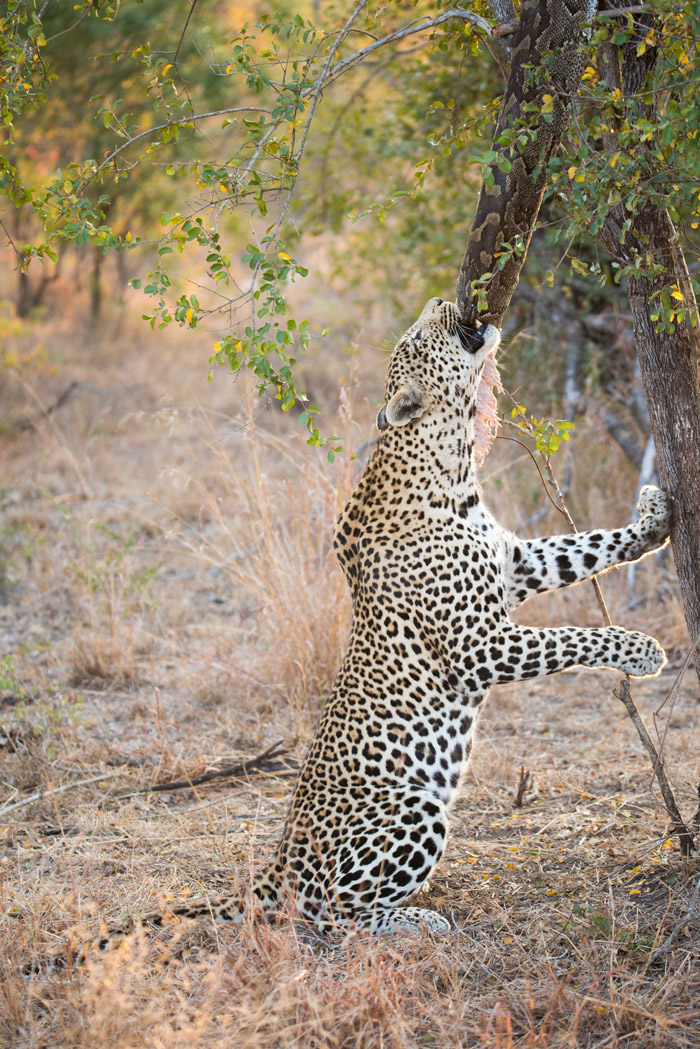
x=237, y=769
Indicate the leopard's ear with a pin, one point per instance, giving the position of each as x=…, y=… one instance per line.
x=404, y=406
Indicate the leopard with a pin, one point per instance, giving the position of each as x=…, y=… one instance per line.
x=433, y=579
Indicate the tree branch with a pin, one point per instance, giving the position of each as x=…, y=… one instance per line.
x=325, y=79
x=620, y=12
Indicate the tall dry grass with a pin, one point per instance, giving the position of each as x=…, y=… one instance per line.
x=265, y=518
x=265, y=988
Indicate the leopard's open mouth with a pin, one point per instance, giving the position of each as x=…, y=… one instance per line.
x=472, y=339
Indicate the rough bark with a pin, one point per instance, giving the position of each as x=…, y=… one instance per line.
x=670, y=379
x=667, y=361
x=547, y=63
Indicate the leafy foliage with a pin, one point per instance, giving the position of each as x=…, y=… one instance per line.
x=192, y=141
x=547, y=434
x=638, y=150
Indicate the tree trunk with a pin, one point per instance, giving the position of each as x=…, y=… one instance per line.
x=670, y=379
x=667, y=361
x=96, y=286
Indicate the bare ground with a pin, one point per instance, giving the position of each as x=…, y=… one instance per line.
x=169, y=603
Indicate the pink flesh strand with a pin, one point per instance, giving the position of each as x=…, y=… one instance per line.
x=486, y=409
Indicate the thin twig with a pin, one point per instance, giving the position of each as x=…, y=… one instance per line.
x=193, y=4
x=58, y=790
x=679, y=924
x=70, y=28
x=190, y=118
x=502, y=437
x=18, y=253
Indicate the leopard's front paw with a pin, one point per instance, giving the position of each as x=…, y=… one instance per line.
x=654, y=507
x=641, y=655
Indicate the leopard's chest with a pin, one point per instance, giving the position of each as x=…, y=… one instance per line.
x=434, y=570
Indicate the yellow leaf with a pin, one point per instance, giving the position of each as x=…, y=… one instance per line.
x=165, y=69
x=217, y=346
x=189, y=315
x=572, y=171
x=238, y=345
x=635, y=892
x=228, y=68
x=676, y=294
x=508, y=939
x=614, y=159
x=284, y=256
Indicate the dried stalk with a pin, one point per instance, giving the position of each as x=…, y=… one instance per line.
x=686, y=840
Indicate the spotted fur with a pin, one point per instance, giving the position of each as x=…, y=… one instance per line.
x=433, y=578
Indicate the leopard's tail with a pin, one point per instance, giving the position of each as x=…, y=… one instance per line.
x=230, y=908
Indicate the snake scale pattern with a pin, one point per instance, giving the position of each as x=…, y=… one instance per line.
x=547, y=58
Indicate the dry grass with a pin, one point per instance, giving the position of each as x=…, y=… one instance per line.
x=265, y=528
x=171, y=601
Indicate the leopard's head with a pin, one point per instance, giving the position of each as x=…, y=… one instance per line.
x=436, y=365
